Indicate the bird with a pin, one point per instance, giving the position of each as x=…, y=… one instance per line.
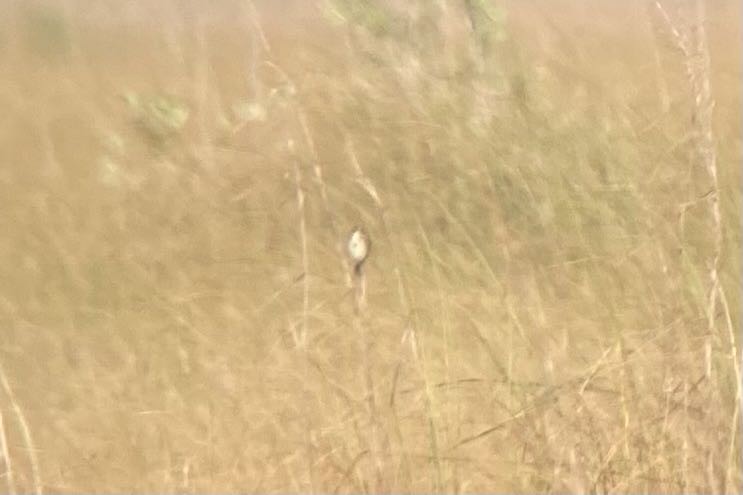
x=359, y=246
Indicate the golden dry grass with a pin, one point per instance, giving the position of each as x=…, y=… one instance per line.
x=176, y=181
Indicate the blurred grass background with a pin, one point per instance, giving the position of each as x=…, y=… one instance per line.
x=529, y=173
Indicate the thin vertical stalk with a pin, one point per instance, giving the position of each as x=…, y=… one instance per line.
x=6, y=457
x=300, y=340
x=25, y=432
x=697, y=63
x=404, y=294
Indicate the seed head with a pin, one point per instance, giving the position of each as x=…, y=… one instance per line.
x=359, y=246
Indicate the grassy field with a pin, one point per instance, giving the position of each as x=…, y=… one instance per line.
x=552, y=298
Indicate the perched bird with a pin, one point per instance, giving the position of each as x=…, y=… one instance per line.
x=359, y=246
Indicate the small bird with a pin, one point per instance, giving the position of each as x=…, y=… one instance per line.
x=359, y=246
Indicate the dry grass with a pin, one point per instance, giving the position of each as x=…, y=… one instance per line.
x=551, y=304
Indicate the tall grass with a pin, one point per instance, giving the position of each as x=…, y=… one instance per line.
x=552, y=190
